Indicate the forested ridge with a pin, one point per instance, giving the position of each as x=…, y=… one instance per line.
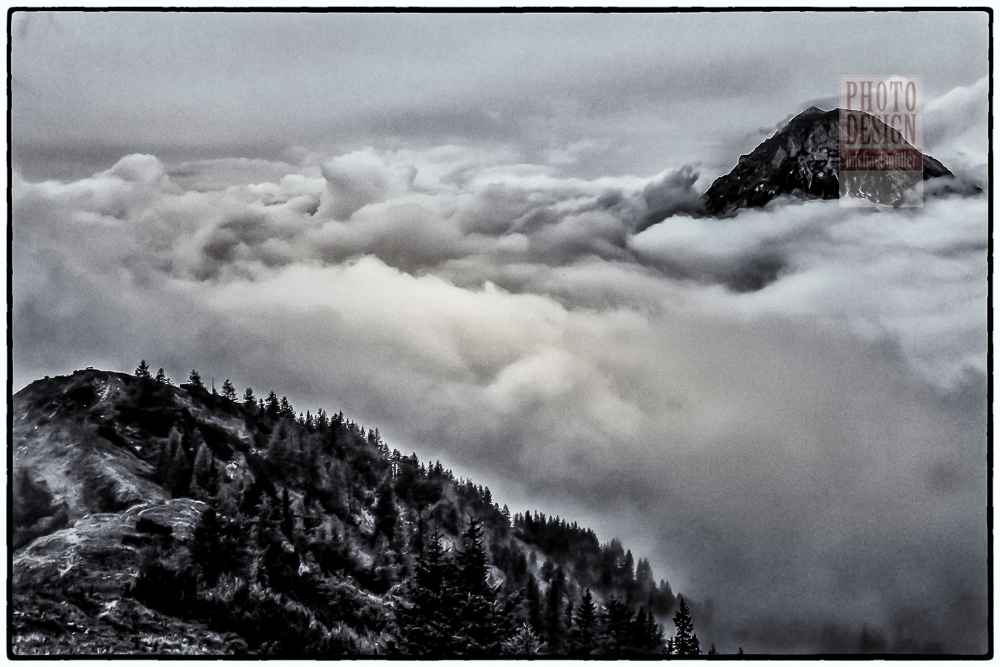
x=314, y=538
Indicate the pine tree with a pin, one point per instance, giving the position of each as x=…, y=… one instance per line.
x=143, y=370
x=165, y=458
x=523, y=642
x=617, y=630
x=161, y=377
x=179, y=475
x=553, y=616
x=248, y=397
x=273, y=406
x=481, y=631
x=207, y=547
x=204, y=475
x=471, y=561
x=532, y=597
x=228, y=390
x=640, y=628
x=385, y=512
x=287, y=518
x=685, y=642
x=585, y=626
x=653, y=635
x=195, y=379
x=427, y=627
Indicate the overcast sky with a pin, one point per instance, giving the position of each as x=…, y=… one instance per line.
x=642, y=92
x=440, y=224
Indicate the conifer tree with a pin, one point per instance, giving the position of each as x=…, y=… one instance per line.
x=685, y=642
x=204, y=475
x=273, y=406
x=653, y=635
x=524, y=642
x=248, y=397
x=553, y=613
x=532, y=597
x=385, y=511
x=206, y=545
x=165, y=457
x=427, y=627
x=481, y=631
x=195, y=379
x=228, y=390
x=161, y=377
x=617, y=630
x=179, y=475
x=585, y=625
x=143, y=370
x=471, y=561
x=287, y=518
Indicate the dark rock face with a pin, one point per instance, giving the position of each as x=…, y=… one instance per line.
x=802, y=159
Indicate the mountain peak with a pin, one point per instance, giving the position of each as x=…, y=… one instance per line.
x=801, y=159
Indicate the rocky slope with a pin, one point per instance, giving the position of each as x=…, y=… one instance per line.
x=802, y=159
x=156, y=519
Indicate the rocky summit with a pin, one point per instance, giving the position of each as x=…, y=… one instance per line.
x=802, y=160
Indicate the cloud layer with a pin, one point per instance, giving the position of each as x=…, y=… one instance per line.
x=786, y=410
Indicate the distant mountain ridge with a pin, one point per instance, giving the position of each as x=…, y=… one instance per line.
x=802, y=159
x=158, y=519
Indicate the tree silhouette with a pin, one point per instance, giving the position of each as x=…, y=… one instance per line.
x=553, y=612
x=204, y=475
x=385, y=512
x=617, y=625
x=533, y=601
x=207, y=547
x=472, y=560
x=143, y=370
x=179, y=474
x=427, y=626
x=195, y=379
x=228, y=390
x=273, y=407
x=481, y=631
x=584, y=625
x=161, y=377
x=685, y=642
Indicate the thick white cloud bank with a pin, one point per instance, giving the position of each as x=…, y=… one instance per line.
x=785, y=410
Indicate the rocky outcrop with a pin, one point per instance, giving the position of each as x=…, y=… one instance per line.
x=802, y=160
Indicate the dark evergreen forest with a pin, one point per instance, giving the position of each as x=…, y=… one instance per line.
x=318, y=539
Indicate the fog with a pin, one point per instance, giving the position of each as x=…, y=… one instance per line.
x=785, y=410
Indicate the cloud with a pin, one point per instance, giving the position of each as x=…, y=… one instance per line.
x=956, y=130
x=785, y=410
x=360, y=178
